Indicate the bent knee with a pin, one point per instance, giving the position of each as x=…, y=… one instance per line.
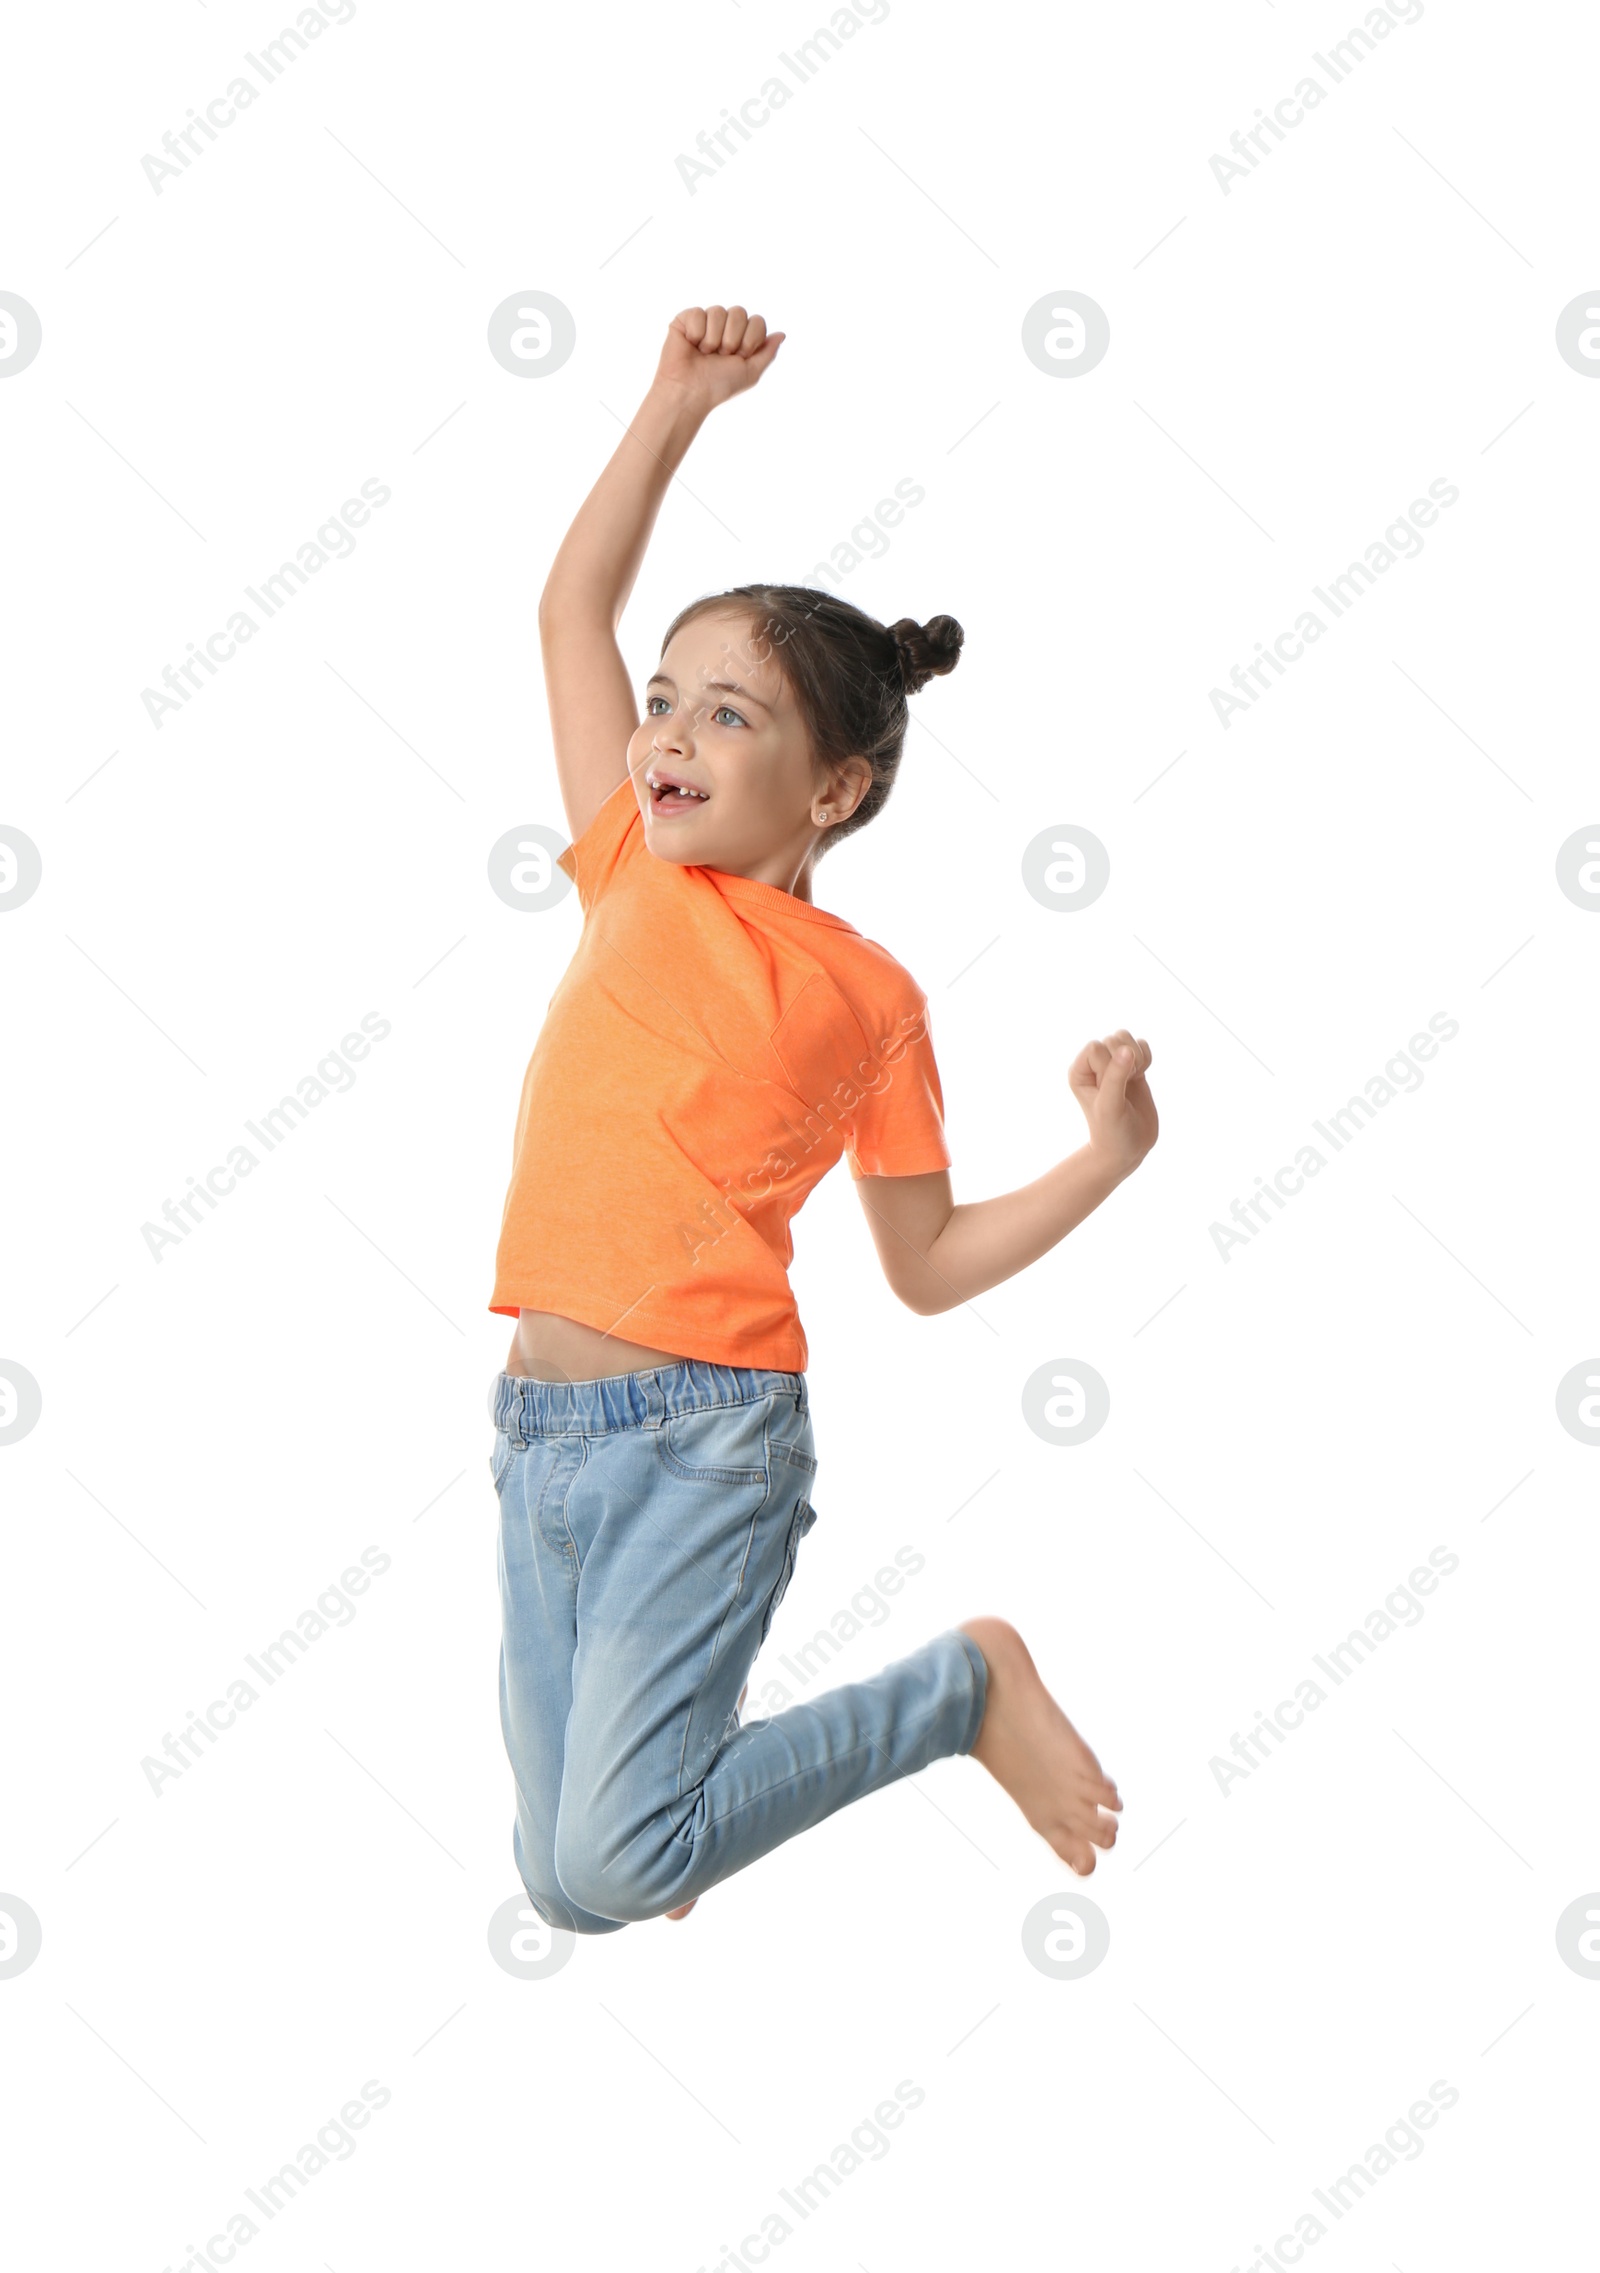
x=561, y=1910
x=628, y=1879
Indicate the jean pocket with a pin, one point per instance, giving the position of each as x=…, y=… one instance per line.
x=717, y=1444
x=805, y=1515
x=500, y=1459
x=797, y=1455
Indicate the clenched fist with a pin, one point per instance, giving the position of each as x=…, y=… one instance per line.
x=1108, y=1080
x=712, y=353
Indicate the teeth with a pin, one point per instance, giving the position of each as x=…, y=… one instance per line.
x=675, y=789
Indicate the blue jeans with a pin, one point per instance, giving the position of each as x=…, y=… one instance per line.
x=648, y=1528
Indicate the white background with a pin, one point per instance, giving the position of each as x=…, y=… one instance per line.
x=1292, y=1430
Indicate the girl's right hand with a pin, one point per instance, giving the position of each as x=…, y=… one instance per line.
x=1108, y=1080
x=713, y=353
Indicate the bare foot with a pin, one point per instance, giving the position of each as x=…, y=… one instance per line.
x=1033, y=1751
x=685, y=1907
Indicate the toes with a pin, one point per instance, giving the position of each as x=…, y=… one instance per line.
x=1074, y=1849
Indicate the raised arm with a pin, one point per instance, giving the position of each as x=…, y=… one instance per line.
x=710, y=354
x=935, y=1254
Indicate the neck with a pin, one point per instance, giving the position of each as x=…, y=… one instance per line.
x=778, y=872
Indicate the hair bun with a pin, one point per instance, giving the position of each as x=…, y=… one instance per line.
x=927, y=650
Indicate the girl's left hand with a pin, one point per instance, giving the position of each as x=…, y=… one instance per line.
x=1108, y=1080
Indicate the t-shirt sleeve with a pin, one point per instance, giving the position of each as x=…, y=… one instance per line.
x=897, y=1129
x=613, y=838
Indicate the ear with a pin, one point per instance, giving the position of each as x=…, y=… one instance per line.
x=847, y=783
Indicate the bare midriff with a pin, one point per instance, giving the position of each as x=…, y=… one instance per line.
x=551, y=1348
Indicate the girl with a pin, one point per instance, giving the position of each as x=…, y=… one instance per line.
x=717, y=1042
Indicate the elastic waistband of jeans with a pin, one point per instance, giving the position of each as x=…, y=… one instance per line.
x=525, y=1408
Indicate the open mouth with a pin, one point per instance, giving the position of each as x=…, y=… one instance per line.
x=672, y=794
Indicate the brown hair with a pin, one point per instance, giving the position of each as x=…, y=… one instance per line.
x=850, y=675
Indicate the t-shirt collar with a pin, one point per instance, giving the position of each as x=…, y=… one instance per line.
x=772, y=896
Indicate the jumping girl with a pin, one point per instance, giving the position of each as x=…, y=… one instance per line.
x=717, y=1042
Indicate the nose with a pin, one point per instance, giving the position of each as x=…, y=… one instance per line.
x=673, y=732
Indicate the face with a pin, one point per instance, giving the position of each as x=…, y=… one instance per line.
x=721, y=720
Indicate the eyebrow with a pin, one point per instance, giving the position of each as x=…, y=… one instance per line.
x=712, y=686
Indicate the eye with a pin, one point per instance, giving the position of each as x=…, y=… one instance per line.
x=726, y=710
x=650, y=702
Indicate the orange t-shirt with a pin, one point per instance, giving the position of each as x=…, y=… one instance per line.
x=712, y=1049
